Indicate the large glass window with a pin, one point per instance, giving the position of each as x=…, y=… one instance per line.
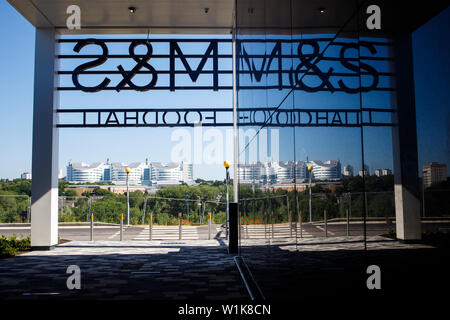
x=315, y=102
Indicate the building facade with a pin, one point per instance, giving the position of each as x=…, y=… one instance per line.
x=141, y=173
x=171, y=173
x=265, y=21
x=434, y=173
x=364, y=172
x=80, y=172
x=25, y=176
x=348, y=171
x=286, y=172
x=328, y=170
x=136, y=175
x=382, y=172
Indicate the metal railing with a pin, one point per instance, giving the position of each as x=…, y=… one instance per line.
x=274, y=216
x=164, y=211
x=267, y=217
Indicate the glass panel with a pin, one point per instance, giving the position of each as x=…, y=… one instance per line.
x=330, y=89
x=430, y=55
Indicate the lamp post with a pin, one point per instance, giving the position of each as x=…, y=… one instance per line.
x=310, y=168
x=227, y=178
x=127, y=170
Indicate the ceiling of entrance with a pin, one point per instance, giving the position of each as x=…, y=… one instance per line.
x=113, y=16
x=216, y=16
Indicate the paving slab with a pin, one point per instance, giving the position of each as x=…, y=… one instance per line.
x=285, y=269
x=327, y=269
x=155, y=270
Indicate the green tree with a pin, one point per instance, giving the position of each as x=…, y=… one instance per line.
x=101, y=192
x=70, y=193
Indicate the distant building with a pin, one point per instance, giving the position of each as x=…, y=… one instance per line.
x=119, y=176
x=434, y=172
x=141, y=173
x=364, y=172
x=172, y=173
x=285, y=173
x=382, y=172
x=80, y=172
x=348, y=171
x=25, y=176
x=249, y=173
x=328, y=170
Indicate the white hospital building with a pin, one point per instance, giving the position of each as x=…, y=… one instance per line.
x=141, y=173
x=284, y=172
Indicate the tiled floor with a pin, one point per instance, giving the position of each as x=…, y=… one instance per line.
x=125, y=270
x=203, y=269
x=334, y=269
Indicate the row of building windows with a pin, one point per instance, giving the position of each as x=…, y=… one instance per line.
x=286, y=172
x=283, y=172
x=433, y=173
x=141, y=173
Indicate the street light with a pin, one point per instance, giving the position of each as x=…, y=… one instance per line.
x=127, y=170
x=310, y=168
x=226, y=164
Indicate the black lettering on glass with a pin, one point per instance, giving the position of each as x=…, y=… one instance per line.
x=175, y=52
x=91, y=64
x=355, y=68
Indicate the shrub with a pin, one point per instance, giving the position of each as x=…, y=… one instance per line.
x=10, y=246
x=6, y=250
x=162, y=219
x=219, y=218
x=24, y=244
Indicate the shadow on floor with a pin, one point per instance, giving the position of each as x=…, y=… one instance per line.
x=342, y=274
x=168, y=273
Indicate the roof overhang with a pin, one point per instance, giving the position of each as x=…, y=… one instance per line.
x=113, y=16
x=253, y=16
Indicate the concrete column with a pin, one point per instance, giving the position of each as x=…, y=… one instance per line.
x=44, y=192
x=404, y=143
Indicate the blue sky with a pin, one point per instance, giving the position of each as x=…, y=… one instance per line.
x=431, y=67
x=432, y=81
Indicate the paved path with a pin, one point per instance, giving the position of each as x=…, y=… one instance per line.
x=334, y=269
x=288, y=269
x=123, y=270
x=172, y=233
